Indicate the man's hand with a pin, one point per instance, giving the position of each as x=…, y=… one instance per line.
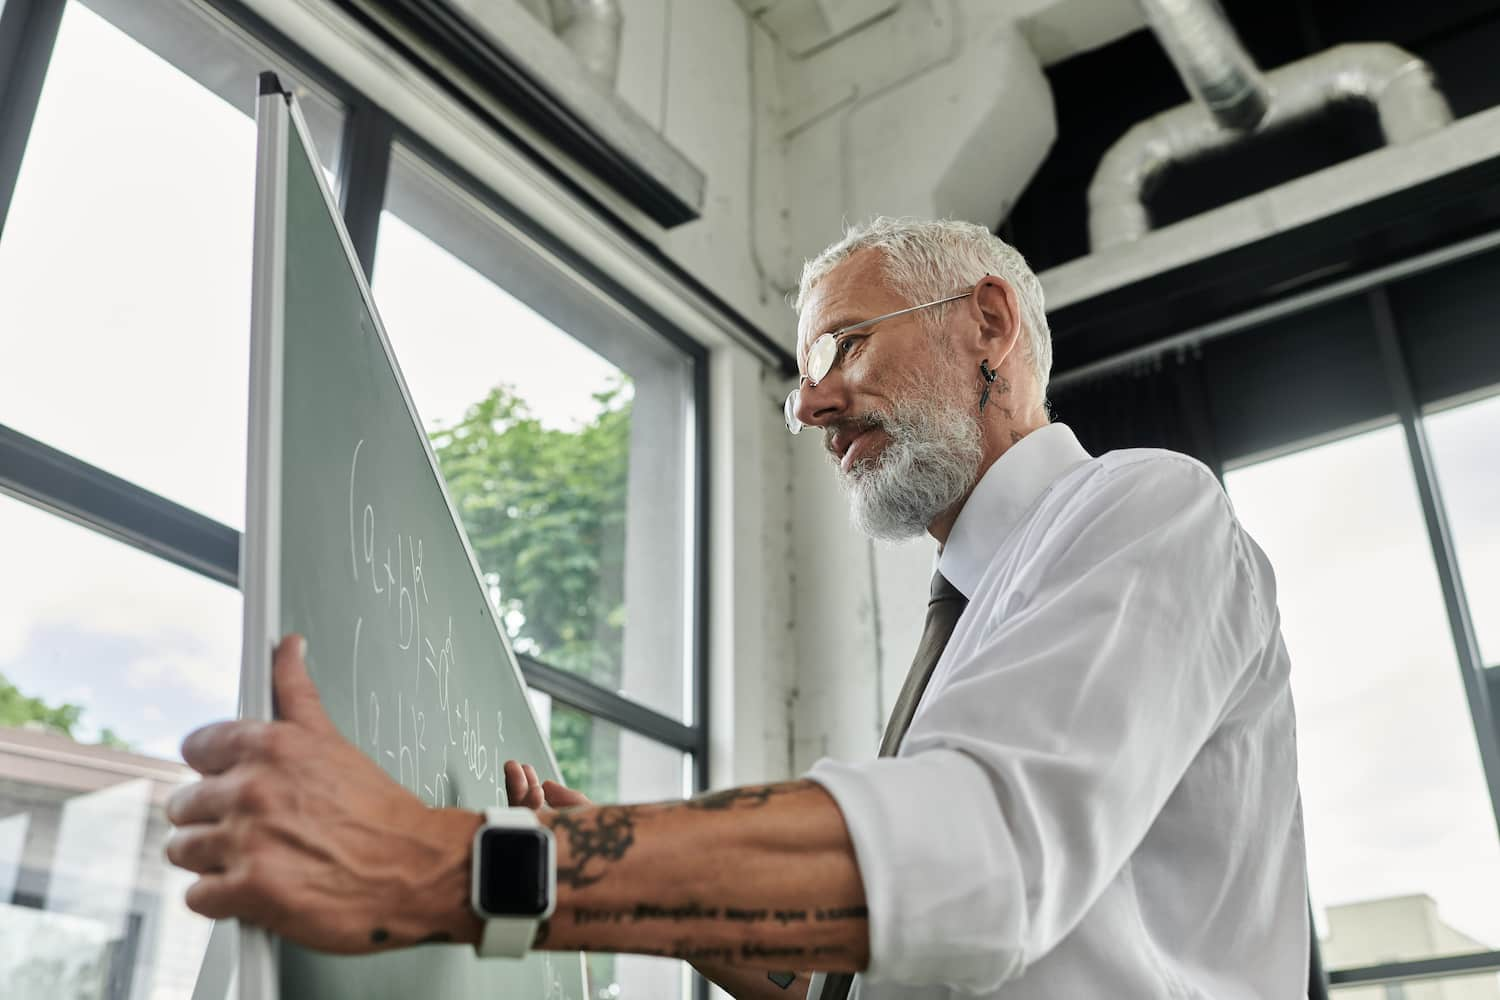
x=295, y=830
x=524, y=788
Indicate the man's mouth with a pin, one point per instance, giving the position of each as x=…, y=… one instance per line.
x=848, y=444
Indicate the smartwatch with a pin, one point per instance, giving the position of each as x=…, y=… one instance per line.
x=514, y=883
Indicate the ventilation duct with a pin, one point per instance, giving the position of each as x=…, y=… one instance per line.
x=591, y=28
x=1232, y=95
x=1213, y=64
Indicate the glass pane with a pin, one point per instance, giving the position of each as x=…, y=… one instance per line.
x=108, y=657
x=568, y=457
x=609, y=764
x=1400, y=835
x=1465, y=445
x=125, y=261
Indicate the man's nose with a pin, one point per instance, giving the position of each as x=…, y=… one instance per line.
x=817, y=405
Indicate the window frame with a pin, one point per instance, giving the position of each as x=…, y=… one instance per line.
x=89, y=496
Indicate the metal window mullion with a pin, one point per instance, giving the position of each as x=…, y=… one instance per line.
x=28, y=34
x=364, y=169
x=1440, y=536
x=1427, y=968
x=700, y=587
x=56, y=481
x=604, y=704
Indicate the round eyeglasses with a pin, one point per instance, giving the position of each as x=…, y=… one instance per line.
x=823, y=354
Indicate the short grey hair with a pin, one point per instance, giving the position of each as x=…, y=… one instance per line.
x=928, y=259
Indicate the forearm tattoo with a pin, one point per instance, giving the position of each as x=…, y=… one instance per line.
x=749, y=797
x=595, y=840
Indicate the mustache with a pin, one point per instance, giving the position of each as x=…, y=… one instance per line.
x=869, y=422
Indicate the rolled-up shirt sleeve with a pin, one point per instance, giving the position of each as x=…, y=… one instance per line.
x=1052, y=737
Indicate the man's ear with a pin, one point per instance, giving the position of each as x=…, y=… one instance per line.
x=999, y=318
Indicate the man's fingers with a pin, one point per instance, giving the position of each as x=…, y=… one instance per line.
x=216, y=748
x=533, y=799
x=213, y=896
x=522, y=789
x=562, y=797
x=205, y=801
x=296, y=696
x=516, y=785
x=201, y=848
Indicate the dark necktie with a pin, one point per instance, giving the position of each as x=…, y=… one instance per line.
x=944, y=606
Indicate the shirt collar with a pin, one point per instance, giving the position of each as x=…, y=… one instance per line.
x=1005, y=492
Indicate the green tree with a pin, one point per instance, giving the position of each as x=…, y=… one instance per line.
x=544, y=509
x=17, y=709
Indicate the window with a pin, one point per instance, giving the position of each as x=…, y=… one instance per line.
x=1465, y=442
x=610, y=764
x=124, y=264
x=124, y=310
x=564, y=428
x=568, y=453
x=124, y=654
x=1403, y=857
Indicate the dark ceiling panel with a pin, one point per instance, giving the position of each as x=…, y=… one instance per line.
x=1449, y=322
x=1295, y=379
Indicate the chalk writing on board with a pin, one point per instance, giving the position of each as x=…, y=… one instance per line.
x=387, y=568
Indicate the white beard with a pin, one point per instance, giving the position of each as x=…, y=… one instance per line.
x=931, y=462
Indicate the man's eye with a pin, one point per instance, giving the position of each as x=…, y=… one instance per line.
x=846, y=346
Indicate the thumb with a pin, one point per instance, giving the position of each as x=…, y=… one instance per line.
x=561, y=797
x=296, y=695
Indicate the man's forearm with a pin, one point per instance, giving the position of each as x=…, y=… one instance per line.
x=761, y=878
x=755, y=984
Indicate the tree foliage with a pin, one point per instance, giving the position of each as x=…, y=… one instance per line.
x=17, y=709
x=544, y=509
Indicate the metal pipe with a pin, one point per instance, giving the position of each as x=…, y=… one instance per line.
x=1396, y=83
x=1217, y=70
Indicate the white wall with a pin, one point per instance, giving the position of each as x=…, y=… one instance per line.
x=685, y=66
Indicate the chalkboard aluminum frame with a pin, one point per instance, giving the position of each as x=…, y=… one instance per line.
x=277, y=118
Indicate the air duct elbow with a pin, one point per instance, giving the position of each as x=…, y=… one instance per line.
x=1399, y=86
x=592, y=30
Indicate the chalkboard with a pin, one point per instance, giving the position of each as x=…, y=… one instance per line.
x=356, y=545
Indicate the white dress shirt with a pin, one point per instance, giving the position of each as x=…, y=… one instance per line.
x=1097, y=797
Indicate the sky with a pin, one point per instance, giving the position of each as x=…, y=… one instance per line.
x=124, y=290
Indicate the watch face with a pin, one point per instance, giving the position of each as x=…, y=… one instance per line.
x=513, y=868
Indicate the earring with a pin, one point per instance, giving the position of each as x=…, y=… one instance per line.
x=989, y=375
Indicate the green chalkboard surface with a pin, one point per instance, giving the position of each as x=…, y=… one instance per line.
x=375, y=570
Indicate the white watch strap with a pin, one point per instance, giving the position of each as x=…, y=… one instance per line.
x=504, y=937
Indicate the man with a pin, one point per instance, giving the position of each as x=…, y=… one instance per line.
x=1095, y=796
